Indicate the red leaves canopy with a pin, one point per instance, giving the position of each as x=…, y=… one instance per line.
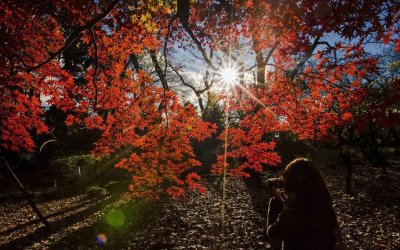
x=132, y=113
x=313, y=83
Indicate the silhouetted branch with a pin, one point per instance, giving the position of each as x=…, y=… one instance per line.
x=166, y=44
x=96, y=90
x=198, y=93
x=75, y=35
x=305, y=58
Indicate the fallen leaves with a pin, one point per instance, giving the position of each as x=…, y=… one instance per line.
x=368, y=219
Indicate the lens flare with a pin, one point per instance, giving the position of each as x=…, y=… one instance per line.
x=115, y=218
x=101, y=239
x=229, y=75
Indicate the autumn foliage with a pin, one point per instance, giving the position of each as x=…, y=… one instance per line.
x=319, y=61
x=91, y=59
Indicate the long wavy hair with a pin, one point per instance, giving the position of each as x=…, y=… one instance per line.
x=304, y=185
x=307, y=193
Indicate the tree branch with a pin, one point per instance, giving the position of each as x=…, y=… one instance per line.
x=75, y=35
x=166, y=44
x=200, y=47
x=325, y=43
x=198, y=93
x=304, y=59
x=96, y=90
x=164, y=82
x=159, y=72
x=272, y=50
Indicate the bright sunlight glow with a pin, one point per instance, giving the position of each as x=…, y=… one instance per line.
x=229, y=75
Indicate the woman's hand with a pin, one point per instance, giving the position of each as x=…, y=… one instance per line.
x=275, y=185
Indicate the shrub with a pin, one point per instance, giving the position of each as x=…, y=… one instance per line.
x=96, y=191
x=69, y=166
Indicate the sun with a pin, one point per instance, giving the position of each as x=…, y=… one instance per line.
x=229, y=76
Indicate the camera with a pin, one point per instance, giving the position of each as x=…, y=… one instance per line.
x=275, y=183
x=275, y=187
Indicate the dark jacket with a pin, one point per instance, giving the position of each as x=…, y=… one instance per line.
x=304, y=228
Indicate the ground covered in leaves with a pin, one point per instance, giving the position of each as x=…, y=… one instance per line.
x=369, y=218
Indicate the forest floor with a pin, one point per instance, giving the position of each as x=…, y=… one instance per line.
x=370, y=218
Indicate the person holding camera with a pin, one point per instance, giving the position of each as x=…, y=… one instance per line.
x=300, y=213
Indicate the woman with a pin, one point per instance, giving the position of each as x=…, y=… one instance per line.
x=302, y=217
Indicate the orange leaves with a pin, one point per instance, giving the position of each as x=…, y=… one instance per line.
x=94, y=121
x=192, y=182
x=97, y=83
x=347, y=116
x=249, y=3
x=107, y=82
x=151, y=43
x=20, y=115
x=160, y=140
x=351, y=69
x=308, y=70
x=318, y=55
x=329, y=97
x=86, y=38
x=176, y=192
x=315, y=93
x=191, y=179
x=247, y=147
x=356, y=84
x=311, y=108
x=29, y=35
x=70, y=120
x=123, y=164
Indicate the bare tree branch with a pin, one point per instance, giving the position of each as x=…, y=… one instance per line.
x=325, y=43
x=198, y=93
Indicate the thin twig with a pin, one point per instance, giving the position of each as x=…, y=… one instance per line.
x=198, y=94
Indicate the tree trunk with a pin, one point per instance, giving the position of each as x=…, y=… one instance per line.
x=349, y=168
x=346, y=157
x=22, y=189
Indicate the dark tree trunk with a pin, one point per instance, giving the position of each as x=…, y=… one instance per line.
x=25, y=193
x=346, y=157
x=349, y=168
